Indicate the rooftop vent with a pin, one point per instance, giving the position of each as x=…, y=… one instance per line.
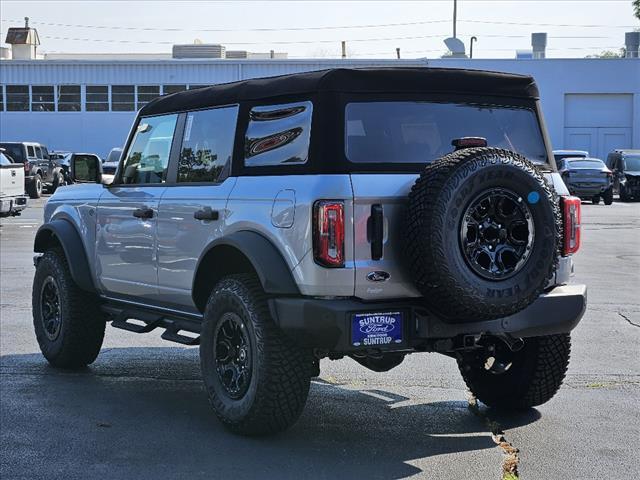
x=24, y=41
x=632, y=44
x=199, y=50
x=539, y=45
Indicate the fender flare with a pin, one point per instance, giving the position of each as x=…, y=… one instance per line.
x=69, y=238
x=273, y=271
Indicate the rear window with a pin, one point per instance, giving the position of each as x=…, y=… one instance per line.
x=562, y=156
x=4, y=160
x=15, y=151
x=586, y=164
x=420, y=132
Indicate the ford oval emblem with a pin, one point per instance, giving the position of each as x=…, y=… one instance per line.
x=378, y=276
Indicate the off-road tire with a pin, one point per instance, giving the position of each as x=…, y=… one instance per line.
x=82, y=322
x=624, y=197
x=607, y=196
x=595, y=199
x=58, y=181
x=280, y=370
x=534, y=378
x=35, y=187
x=434, y=257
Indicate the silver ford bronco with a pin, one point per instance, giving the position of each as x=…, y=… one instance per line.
x=364, y=213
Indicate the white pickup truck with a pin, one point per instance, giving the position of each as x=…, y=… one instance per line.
x=12, y=197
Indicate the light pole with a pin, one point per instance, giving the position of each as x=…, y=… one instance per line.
x=455, y=16
x=473, y=39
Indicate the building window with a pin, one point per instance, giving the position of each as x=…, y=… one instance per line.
x=42, y=99
x=97, y=98
x=122, y=98
x=193, y=87
x=207, y=145
x=146, y=93
x=68, y=98
x=17, y=98
x=167, y=89
x=278, y=134
x=1, y=98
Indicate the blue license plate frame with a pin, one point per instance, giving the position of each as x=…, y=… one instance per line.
x=377, y=329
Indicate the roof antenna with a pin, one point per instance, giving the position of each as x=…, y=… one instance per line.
x=398, y=53
x=344, y=49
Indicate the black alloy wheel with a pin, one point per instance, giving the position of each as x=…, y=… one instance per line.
x=50, y=311
x=497, y=234
x=232, y=351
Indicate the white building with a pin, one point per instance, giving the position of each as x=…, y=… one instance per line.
x=88, y=104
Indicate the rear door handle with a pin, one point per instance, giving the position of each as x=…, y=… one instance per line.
x=206, y=214
x=143, y=213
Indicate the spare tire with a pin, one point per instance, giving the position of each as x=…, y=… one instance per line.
x=483, y=234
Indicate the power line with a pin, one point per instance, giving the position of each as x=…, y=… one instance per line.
x=197, y=29
x=495, y=22
x=304, y=42
x=325, y=27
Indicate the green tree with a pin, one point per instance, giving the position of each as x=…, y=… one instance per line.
x=636, y=8
x=609, y=53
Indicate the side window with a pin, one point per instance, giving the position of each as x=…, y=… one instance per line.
x=38, y=153
x=278, y=134
x=30, y=152
x=207, y=145
x=148, y=156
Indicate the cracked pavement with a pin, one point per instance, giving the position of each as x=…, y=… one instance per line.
x=140, y=411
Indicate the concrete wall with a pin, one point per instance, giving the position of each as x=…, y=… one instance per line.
x=98, y=132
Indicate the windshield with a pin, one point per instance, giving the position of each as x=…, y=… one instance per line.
x=632, y=163
x=114, y=155
x=419, y=132
x=15, y=151
x=586, y=164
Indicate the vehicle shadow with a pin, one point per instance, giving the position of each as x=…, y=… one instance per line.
x=142, y=413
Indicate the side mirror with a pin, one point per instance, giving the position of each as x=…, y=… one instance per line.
x=86, y=169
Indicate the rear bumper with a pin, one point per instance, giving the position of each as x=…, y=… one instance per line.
x=13, y=204
x=326, y=323
x=588, y=192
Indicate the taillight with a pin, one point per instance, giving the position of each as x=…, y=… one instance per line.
x=571, y=217
x=328, y=233
x=26, y=166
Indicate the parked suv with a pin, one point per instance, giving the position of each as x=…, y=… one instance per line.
x=364, y=213
x=625, y=165
x=40, y=171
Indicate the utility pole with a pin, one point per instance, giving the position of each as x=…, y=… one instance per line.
x=398, y=53
x=455, y=16
x=344, y=49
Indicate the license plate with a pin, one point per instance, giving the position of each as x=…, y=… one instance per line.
x=376, y=329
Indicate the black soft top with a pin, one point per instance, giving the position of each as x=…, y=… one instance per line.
x=367, y=80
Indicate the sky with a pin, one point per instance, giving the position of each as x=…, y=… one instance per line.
x=372, y=29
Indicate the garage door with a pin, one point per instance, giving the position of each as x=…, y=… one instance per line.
x=598, y=123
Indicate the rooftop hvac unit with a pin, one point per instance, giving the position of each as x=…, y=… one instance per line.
x=198, y=50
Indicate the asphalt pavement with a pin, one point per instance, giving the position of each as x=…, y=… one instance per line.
x=140, y=410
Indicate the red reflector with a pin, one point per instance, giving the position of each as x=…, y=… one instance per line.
x=468, y=142
x=328, y=233
x=571, y=217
